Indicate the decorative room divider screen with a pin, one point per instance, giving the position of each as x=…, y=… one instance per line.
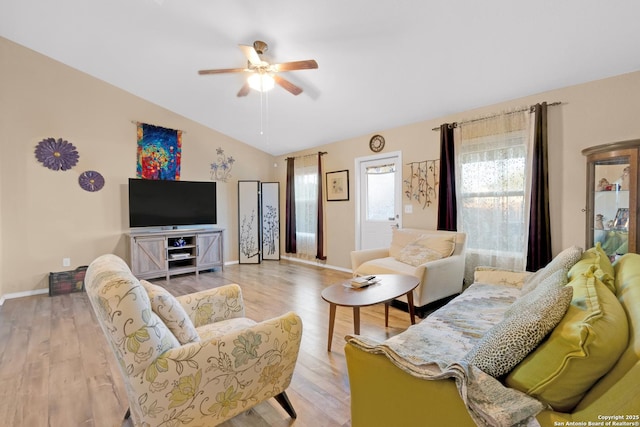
x=258, y=221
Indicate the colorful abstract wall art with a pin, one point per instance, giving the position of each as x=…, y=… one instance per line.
x=159, y=153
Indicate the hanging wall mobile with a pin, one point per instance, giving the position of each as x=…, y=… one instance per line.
x=421, y=184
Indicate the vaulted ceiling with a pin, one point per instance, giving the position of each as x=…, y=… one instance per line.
x=382, y=63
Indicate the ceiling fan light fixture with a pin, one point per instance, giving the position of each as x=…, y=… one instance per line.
x=261, y=82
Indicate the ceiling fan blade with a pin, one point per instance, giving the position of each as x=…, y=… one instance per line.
x=308, y=64
x=223, y=70
x=251, y=54
x=244, y=90
x=287, y=85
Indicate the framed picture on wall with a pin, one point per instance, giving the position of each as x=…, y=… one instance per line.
x=337, y=186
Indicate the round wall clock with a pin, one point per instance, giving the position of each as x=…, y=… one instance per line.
x=376, y=143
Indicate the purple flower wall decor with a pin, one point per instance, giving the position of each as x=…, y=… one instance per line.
x=221, y=169
x=91, y=181
x=56, y=154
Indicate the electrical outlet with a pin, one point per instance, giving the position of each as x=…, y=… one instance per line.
x=66, y=262
x=408, y=209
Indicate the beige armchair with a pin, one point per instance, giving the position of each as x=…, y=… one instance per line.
x=194, y=359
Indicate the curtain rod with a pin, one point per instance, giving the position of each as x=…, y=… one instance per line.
x=322, y=153
x=530, y=108
x=142, y=123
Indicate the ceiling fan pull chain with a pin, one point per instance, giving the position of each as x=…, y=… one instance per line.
x=266, y=103
x=261, y=114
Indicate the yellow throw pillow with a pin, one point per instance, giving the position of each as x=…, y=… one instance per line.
x=595, y=256
x=583, y=347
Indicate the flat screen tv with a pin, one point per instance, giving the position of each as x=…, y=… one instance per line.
x=159, y=203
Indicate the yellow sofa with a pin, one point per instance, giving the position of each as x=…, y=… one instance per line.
x=384, y=395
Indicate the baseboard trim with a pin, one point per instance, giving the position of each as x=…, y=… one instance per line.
x=303, y=261
x=3, y=298
x=317, y=264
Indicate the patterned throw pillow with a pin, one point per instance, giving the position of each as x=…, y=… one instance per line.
x=564, y=260
x=425, y=249
x=401, y=237
x=168, y=308
x=555, y=281
x=510, y=341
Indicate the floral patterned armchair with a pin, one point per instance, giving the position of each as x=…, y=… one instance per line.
x=194, y=359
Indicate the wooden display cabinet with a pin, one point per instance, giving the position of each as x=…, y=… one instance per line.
x=612, y=197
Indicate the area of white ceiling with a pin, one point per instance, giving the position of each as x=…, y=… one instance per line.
x=382, y=64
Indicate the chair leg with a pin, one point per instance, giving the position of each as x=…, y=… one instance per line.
x=283, y=400
x=128, y=414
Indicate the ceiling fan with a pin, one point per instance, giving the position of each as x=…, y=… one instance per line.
x=264, y=74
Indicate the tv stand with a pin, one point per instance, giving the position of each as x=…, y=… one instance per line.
x=170, y=252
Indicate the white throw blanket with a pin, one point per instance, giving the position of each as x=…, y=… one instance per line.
x=435, y=349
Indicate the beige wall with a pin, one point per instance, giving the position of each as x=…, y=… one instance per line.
x=45, y=216
x=594, y=113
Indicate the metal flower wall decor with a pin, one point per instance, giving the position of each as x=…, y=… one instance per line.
x=221, y=169
x=91, y=181
x=57, y=154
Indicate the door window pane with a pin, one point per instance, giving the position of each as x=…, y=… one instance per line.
x=381, y=193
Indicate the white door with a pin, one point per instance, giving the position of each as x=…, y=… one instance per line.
x=379, y=199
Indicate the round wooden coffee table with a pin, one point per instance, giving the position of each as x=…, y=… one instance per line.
x=389, y=287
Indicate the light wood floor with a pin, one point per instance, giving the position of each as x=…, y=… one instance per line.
x=57, y=370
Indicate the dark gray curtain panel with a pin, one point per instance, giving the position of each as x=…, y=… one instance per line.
x=447, y=206
x=290, y=210
x=539, y=244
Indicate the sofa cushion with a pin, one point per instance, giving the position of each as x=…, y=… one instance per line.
x=388, y=265
x=168, y=308
x=425, y=249
x=564, y=260
x=509, y=341
x=595, y=256
x=584, y=346
x=216, y=330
